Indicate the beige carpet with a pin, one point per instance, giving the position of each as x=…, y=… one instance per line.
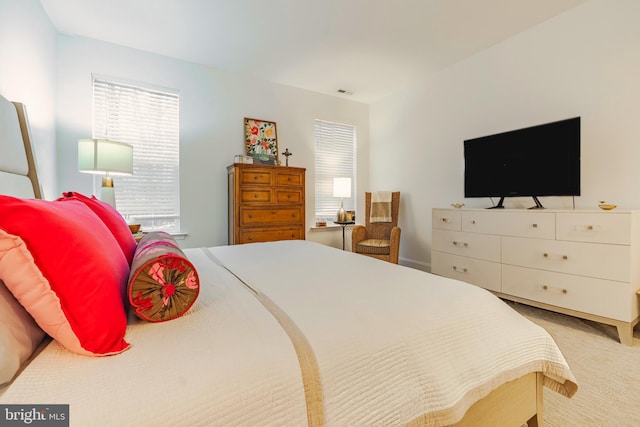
x=608, y=373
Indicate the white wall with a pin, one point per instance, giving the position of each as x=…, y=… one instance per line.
x=212, y=107
x=27, y=75
x=585, y=62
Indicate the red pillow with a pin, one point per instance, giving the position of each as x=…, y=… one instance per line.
x=112, y=219
x=65, y=267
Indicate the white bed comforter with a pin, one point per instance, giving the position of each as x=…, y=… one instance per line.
x=391, y=344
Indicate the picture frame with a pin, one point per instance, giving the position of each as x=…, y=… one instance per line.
x=261, y=141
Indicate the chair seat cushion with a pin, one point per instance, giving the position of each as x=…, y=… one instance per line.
x=374, y=246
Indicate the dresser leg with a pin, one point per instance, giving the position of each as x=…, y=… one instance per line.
x=625, y=332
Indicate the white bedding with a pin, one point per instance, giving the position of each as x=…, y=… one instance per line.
x=391, y=344
x=227, y=362
x=394, y=343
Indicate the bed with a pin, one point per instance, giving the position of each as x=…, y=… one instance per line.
x=285, y=333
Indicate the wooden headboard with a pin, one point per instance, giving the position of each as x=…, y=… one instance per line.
x=18, y=166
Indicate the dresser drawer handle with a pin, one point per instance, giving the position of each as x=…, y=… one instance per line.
x=473, y=221
x=293, y=215
x=288, y=196
x=444, y=220
x=255, y=196
x=588, y=228
x=549, y=288
x=548, y=256
x=461, y=244
x=534, y=225
x=250, y=216
x=459, y=269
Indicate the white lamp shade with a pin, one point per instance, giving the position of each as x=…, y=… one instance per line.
x=341, y=187
x=104, y=156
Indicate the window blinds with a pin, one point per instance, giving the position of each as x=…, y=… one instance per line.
x=335, y=157
x=147, y=118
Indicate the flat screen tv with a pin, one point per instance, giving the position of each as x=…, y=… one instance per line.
x=536, y=161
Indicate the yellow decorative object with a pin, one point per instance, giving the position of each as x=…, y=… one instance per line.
x=606, y=206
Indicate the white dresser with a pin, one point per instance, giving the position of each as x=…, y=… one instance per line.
x=582, y=263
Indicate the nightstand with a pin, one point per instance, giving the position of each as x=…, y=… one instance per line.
x=343, y=224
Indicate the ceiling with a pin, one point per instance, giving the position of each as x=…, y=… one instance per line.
x=369, y=48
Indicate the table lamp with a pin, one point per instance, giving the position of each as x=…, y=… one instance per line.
x=342, y=189
x=101, y=156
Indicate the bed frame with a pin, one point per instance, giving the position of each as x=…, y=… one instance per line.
x=18, y=162
x=516, y=403
x=29, y=150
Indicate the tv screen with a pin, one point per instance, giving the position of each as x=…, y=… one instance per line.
x=541, y=160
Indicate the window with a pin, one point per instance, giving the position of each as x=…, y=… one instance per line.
x=147, y=118
x=335, y=157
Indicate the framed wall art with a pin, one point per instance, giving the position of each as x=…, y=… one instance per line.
x=261, y=141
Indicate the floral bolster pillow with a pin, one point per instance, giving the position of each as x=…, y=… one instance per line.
x=163, y=284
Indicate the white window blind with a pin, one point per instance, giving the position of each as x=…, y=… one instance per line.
x=146, y=117
x=335, y=157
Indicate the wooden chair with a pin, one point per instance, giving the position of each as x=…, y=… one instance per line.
x=378, y=239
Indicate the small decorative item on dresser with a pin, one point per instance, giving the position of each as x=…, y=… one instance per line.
x=457, y=205
x=239, y=158
x=606, y=206
x=286, y=155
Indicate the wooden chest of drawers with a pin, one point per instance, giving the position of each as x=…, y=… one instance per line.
x=266, y=203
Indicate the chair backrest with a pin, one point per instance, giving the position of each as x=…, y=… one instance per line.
x=381, y=230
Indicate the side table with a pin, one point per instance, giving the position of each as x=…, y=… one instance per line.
x=344, y=225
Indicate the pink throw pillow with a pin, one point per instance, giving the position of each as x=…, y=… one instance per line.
x=112, y=219
x=64, y=266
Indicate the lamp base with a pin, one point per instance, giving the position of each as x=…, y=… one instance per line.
x=342, y=215
x=107, y=193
